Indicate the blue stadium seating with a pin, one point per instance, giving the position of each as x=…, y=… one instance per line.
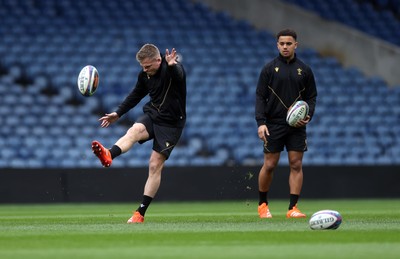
x=379, y=18
x=46, y=123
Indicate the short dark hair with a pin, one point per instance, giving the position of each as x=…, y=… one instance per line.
x=147, y=51
x=286, y=32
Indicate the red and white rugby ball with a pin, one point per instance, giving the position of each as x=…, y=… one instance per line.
x=297, y=112
x=325, y=219
x=88, y=80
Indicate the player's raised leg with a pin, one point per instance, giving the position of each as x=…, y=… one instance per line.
x=134, y=134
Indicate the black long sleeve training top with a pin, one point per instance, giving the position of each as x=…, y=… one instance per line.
x=280, y=85
x=167, y=92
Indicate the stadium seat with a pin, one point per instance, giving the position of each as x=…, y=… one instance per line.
x=40, y=104
x=373, y=17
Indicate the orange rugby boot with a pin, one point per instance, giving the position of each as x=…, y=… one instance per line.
x=102, y=153
x=136, y=218
x=295, y=213
x=263, y=211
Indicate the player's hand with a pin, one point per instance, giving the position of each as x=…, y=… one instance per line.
x=263, y=132
x=171, y=58
x=108, y=118
x=303, y=123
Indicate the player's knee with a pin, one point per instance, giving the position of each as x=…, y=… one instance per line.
x=269, y=166
x=295, y=165
x=136, y=131
x=156, y=163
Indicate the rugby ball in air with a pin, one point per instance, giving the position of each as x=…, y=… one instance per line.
x=325, y=219
x=297, y=112
x=88, y=80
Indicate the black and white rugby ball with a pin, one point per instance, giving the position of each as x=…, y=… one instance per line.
x=88, y=80
x=325, y=219
x=297, y=112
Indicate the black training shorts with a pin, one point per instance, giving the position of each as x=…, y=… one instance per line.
x=280, y=136
x=165, y=138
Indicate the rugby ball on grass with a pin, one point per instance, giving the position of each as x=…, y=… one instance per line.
x=325, y=219
x=297, y=112
x=88, y=80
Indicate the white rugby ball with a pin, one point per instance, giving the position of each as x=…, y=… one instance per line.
x=325, y=219
x=88, y=80
x=297, y=112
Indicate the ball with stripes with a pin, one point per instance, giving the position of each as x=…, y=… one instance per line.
x=325, y=219
x=88, y=80
x=297, y=112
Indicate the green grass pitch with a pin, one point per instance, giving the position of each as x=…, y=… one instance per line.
x=224, y=229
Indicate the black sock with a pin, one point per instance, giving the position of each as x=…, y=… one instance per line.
x=115, y=151
x=144, y=205
x=293, y=200
x=262, y=198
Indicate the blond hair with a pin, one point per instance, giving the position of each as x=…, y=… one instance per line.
x=147, y=51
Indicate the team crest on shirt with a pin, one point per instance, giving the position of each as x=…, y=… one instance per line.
x=299, y=71
x=276, y=69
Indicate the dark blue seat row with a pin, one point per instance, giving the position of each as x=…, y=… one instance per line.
x=379, y=18
x=46, y=43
